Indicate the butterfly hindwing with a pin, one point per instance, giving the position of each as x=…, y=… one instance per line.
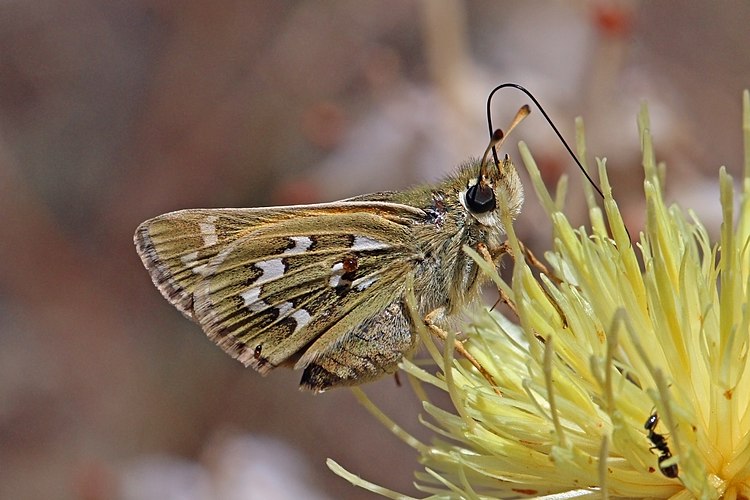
x=364, y=352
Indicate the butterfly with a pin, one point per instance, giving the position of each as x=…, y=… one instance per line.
x=322, y=287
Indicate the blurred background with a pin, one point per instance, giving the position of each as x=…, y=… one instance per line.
x=114, y=112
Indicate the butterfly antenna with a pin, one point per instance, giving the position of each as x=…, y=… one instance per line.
x=497, y=138
x=549, y=120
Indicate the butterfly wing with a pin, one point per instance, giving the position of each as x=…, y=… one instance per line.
x=275, y=285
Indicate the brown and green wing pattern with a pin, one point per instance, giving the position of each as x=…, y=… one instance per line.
x=271, y=285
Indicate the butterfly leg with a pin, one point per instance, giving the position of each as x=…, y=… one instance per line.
x=429, y=321
x=529, y=256
x=538, y=264
x=485, y=253
x=532, y=260
x=504, y=298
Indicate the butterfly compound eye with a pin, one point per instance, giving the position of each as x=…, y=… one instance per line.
x=480, y=197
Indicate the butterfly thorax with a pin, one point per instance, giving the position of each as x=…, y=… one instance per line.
x=445, y=275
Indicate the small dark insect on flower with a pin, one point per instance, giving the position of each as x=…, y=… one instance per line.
x=660, y=444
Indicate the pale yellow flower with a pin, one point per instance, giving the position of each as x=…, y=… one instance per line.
x=595, y=353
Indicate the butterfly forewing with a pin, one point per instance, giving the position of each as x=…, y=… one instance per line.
x=268, y=285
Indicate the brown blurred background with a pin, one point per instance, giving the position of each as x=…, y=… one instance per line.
x=114, y=112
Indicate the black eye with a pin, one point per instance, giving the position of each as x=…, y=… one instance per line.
x=480, y=198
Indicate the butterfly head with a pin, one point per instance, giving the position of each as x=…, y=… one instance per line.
x=496, y=180
x=480, y=195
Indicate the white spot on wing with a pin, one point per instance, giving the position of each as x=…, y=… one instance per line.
x=302, y=317
x=273, y=269
x=252, y=300
x=189, y=258
x=191, y=262
x=301, y=244
x=208, y=231
x=363, y=244
x=337, y=271
x=285, y=308
x=364, y=283
x=203, y=270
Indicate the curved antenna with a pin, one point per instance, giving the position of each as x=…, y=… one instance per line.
x=549, y=120
x=497, y=137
